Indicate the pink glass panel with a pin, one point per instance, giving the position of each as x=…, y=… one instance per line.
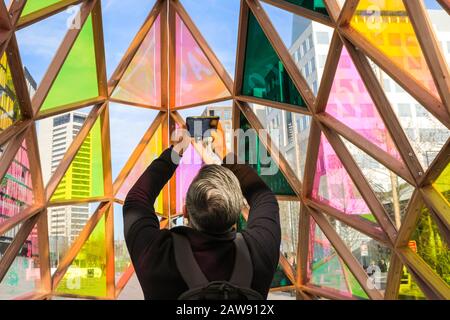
x=196, y=79
x=189, y=166
x=141, y=82
x=16, y=186
x=333, y=185
x=350, y=103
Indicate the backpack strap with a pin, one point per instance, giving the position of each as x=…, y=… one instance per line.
x=243, y=267
x=191, y=273
x=186, y=263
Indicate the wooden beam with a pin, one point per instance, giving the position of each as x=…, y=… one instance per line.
x=123, y=281
x=45, y=283
x=393, y=278
x=438, y=204
x=13, y=221
x=70, y=107
x=438, y=165
x=10, y=152
x=312, y=155
x=347, y=12
x=99, y=48
x=303, y=246
x=445, y=4
x=110, y=254
x=241, y=47
x=410, y=220
x=325, y=292
x=13, y=130
x=274, y=104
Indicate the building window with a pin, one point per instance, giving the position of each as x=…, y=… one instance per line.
x=322, y=60
x=78, y=118
x=211, y=113
x=387, y=85
x=420, y=111
x=314, y=87
x=313, y=65
x=404, y=110
x=323, y=38
x=58, y=121
x=304, y=47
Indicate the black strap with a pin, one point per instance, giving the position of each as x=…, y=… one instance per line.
x=191, y=273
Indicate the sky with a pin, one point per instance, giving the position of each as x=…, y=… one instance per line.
x=217, y=20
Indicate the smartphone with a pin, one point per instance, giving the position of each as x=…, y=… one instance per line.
x=199, y=127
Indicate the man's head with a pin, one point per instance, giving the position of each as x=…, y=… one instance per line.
x=214, y=200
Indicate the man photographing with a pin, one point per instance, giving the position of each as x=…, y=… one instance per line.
x=206, y=259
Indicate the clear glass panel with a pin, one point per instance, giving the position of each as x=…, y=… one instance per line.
x=314, y=5
x=308, y=42
x=386, y=25
x=87, y=273
x=36, y=5
x=141, y=82
x=84, y=178
x=264, y=74
x=334, y=187
x=442, y=184
x=373, y=256
x=440, y=21
x=16, y=189
x=9, y=106
x=116, y=37
x=64, y=225
x=152, y=151
x=426, y=134
x=392, y=191
x=290, y=133
x=224, y=16
x=132, y=290
x=196, y=80
x=79, y=65
x=409, y=290
x=124, y=140
x=431, y=246
x=24, y=274
x=122, y=258
x=255, y=154
x=326, y=269
x=38, y=44
x=289, y=221
x=350, y=103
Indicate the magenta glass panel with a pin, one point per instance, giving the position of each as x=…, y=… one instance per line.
x=189, y=166
x=141, y=82
x=16, y=186
x=333, y=185
x=196, y=79
x=350, y=103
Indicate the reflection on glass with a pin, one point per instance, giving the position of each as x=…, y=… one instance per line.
x=442, y=184
x=264, y=74
x=9, y=107
x=196, y=80
x=386, y=25
x=122, y=258
x=314, y=5
x=141, y=82
x=409, y=290
x=289, y=221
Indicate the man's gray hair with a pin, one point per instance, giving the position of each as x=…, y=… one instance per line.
x=214, y=199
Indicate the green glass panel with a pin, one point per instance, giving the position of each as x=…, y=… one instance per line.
x=84, y=178
x=77, y=79
x=9, y=107
x=409, y=289
x=264, y=74
x=36, y=5
x=354, y=285
x=280, y=279
x=431, y=246
x=314, y=5
x=253, y=156
x=86, y=275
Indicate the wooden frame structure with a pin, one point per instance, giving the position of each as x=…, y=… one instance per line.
x=409, y=169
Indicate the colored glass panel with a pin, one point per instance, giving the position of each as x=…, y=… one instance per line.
x=16, y=189
x=326, y=269
x=87, y=274
x=350, y=103
x=442, y=184
x=84, y=178
x=409, y=289
x=289, y=222
x=189, y=166
x=24, y=274
x=280, y=279
x=141, y=82
x=77, y=79
x=150, y=153
x=255, y=154
x=386, y=25
x=9, y=106
x=122, y=258
x=196, y=80
x=314, y=5
x=431, y=245
x=36, y=5
x=264, y=74
x=332, y=184
x=392, y=191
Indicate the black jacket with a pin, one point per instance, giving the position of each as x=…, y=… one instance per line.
x=151, y=249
